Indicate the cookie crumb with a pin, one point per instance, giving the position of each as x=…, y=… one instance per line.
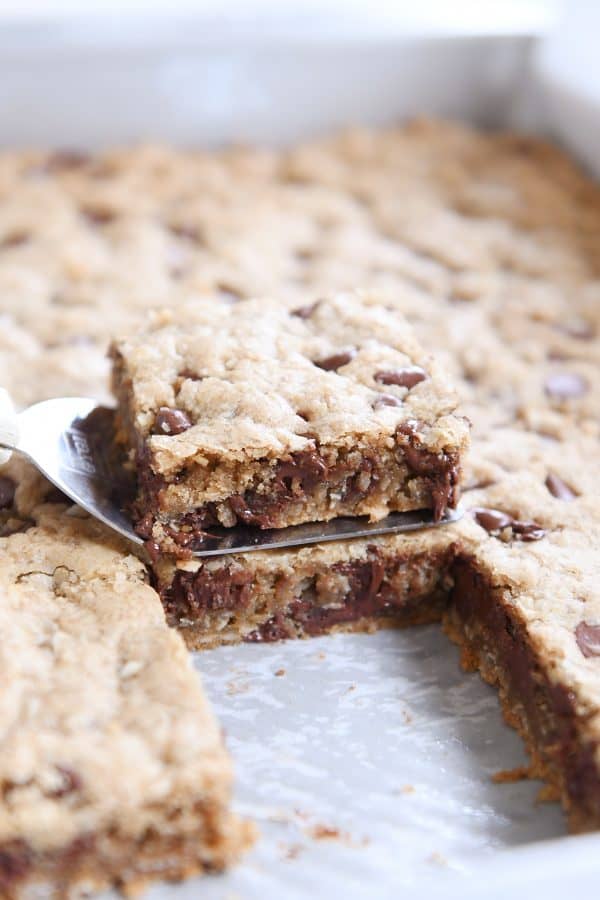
x=508, y=776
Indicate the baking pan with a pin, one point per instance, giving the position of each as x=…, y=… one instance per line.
x=366, y=760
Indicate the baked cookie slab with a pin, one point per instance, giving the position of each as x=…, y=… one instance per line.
x=259, y=414
x=525, y=607
x=112, y=766
x=273, y=595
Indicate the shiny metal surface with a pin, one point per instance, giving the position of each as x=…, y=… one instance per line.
x=52, y=435
x=58, y=437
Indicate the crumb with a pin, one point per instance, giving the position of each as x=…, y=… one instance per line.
x=324, y=832
x=437, y=859
x=407, y=717
x=407, y=789
x=351, y=688
x=280, y=672
x=506, y=776
x=291, y=851
x=237, y=687
x=320, y=832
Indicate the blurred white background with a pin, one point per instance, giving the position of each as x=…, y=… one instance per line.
x=214, y=71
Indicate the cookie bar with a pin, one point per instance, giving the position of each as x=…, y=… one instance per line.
x=113, y=768
x=273, y=417
x=525, y=607
x=278, y=594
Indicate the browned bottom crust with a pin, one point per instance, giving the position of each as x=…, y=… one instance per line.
x=94, y=862
x=493, y=641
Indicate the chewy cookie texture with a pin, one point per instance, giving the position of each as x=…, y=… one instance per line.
x=489, y=245
x=113, y=768
x=268, y=596
x=269, y=416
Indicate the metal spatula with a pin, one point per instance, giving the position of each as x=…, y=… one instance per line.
x=66, y=439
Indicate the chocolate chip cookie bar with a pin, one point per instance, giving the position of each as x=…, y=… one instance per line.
x=525, y=609
x=272, y=417
x=113, y=768
x=396, y=580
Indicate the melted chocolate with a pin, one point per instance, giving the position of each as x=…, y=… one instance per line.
x=407, y=377
x=588, y=639
x=371, y=594
x=559, y=488
x=7, y=491
x=171, y=421
x=336, y=360
x=191, y=593
x=442, y=470
x=549, y=710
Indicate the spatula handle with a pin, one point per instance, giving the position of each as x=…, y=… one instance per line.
x=9, y=428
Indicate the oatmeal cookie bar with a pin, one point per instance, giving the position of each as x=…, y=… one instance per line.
x=273, y=417
x=113, y=768
x=525, y=605
x=278, y=594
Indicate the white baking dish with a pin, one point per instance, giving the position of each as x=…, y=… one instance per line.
x=378, y=741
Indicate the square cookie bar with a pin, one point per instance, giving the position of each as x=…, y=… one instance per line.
x=259, y=414
x=112, y=765
x=277, y=594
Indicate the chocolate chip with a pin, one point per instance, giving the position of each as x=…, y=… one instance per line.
x=181, y=538
x=7, y=491
x=407, y=377
x=565, y=386
x=588, y=639
x=228, y=292
x=306, y=466
x=336, y=361
x=16, y=859
x=305, y=254
x=479, y=485
x=491, y=519
x=557, y=355
x=14, y=239
x=305, y=312
x=171, y=421
x=153, y=550
x=579, y=329
x=409, y=428
x=190, y=375
x=192, y=233
x=558, y=488
x=528, y=531
x=386, y=400
x=65, y=160
x=71, y=782
x=98, y=215
x=144, y=526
